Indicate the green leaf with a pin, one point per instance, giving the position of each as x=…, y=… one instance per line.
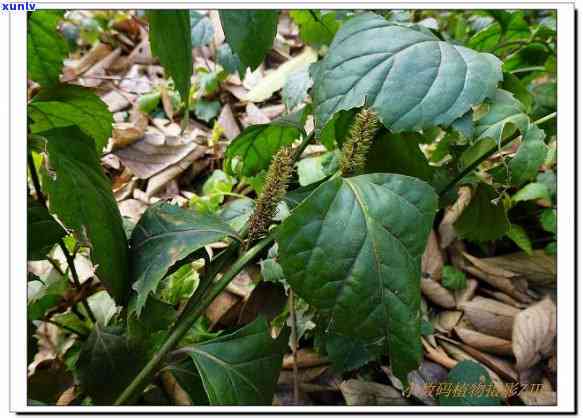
x=103, y=306
x=548, y=220
x=411, y=78
x=313, y=169
x=296, y=88
x=227, y=59
x=148, y=102
x=201, y=29
x=316, y=28
x=514, y=85
x=152, y=326
x=530, y=156
x=165, y=235
x=171, y=41
x=505, y=115
x=241, y=368
x=483, y=220
x=188, y=378
x=353, y=250
x=80, y=194
x=67, y=105
x=43, y=231
x=107, y=363
x=466, y=374
x=400, y=154
x=519, y=236
x=452, y=278
x=532, y=191
x=250, y=33
x=206, y=111
x=335, y=131
x=45, y=47
x=46, y=294
x=349, y=353
x=487, y=38
x=256, y=145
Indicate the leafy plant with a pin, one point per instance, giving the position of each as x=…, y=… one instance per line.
x=407, y=114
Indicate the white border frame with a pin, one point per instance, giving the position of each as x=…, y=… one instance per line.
x=14, y=158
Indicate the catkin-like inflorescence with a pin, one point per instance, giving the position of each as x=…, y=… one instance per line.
x=356, y=146
x=274, y=189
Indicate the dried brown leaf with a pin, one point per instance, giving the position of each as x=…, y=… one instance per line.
x=484, y=342
x=437, y=294
x=432, y=260
x=446, y=230
x=534, y=332
x=358, y=392
x=490, y=316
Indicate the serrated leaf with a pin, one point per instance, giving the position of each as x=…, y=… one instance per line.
x=43, y=231
x=353, y=250
x=201, y=29
x=250, y=33
x=241, y=368
x=256, y=145
x=45, y=47
x=519, y=236
x=67, y=105
x=409, y=77
x=107, y=363
x=466, y=374
x=171, y=42
x=80, y=194
x=514, y=85
x=505, y=115
x=189, y=380
x=483, y=219
x=316, y=28
x=165, y=235
x=227, y=59
x=532, y=191
x=530, y=156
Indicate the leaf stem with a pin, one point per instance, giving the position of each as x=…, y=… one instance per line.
x=185, y=322
x=545, y=118
x=70, y=260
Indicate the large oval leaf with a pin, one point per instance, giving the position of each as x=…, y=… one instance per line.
x=165, y=235
x=353, y=249
x=81, y=196
x=410, y=77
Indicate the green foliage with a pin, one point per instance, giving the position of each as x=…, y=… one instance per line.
x=107, y=363
x=80, y=195
x=164, y=236
x=45, y=47
x=201, y=29
x=67, y=105
x=485, y=218
x=252, y=150
x=241, y=368
x=416, y=100
x=171, y=42
x=317, y=28
x=436, y=82
x=246, y=28
x=380, y=263
x=43, y=231
x=467, y=373
x=452, y=278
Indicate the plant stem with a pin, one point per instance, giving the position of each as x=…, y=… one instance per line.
x=186, y=322
x=294, y=339
x=302, y=147
x=70, y=260
x=545, y=118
